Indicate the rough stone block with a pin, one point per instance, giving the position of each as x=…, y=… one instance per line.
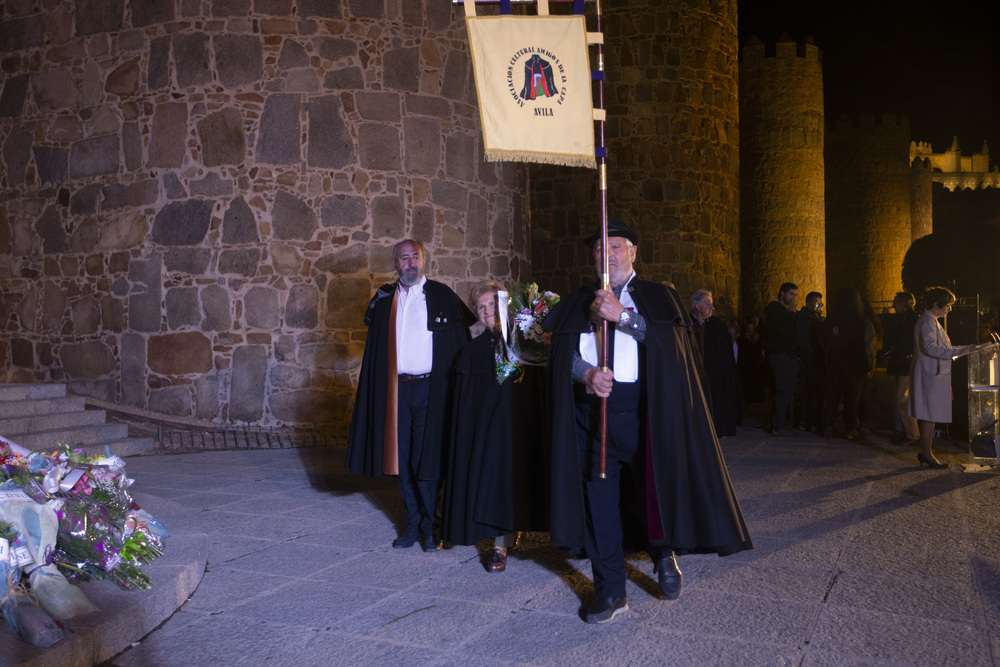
x=230, y=7
x=460, y=157
x=422, y=138
x=422, y=222
x=260, y=306
x=378, y=146
x=335, y=48
x=206, y=396
x=85, y=314
x=450, y=195
x=319, y=8
x=378, y=106
x=222, y=139
x=51, y=162
x=301, y=308
x=305, y=405
x=50, y=228
x=349, y=78
x=273, y=7
x=84, y=200
x=292, y=55
x=132, y=146
x=85, y=237
x=22, y=353
x=179, y=353
x=173, y=187
x=112, y=314
x=89, y=361
x=401, y=69
x=54, y=90
x=22, y=33
x=182, y=307
x=477, y=231
x=144, y=307
x=158, y=70
x=15, y=90
x=182, y=222
x=279, y=140
x=123, y=81
x=343, y=211
x=344, y=261
x=346, y=300
x=16, y=153
x=171, y=401
x=292, y=218
x=192, y=59
x=238, y=224
x=246, y=396
x=239, y=59
x=285, y=260
x=123, y=230
x=289, y=377
x=166, y=148
x=388, y=217
x=366, y=9
x=330, y=144
x=241, y=261
x=212, y=185
x=193, y=261
x=97, y=16
x=457, y=70
x=150, y=12
x=215, y=302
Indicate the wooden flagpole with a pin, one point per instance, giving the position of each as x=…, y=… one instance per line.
x=602, y=171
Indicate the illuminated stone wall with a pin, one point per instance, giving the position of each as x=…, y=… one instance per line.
x=199, y=198
x=921, y=199
x=782, y=194
x=673, y=143
x=868, y=227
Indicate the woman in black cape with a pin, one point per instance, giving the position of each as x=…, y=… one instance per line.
x=495, y=472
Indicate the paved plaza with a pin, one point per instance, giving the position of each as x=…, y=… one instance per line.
x=861, y=558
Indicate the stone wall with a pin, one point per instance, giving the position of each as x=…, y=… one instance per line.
x=868, y=209
x=782, y=195
x=673, y=165
x=199, y=198
x=921, y=199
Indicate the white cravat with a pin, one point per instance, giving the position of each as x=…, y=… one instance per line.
x=626, y=361
x=414, y=343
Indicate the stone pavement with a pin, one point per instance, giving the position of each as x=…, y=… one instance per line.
x=861, y=558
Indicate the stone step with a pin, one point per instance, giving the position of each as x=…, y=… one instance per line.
x=95, y=434
x=18, y=392
x=124, y=447
x=41, y=406
x=14, y=426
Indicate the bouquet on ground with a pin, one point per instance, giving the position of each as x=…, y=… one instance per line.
x=66, y=517
x=527, y=306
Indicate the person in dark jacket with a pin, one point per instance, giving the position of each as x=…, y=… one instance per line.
x=711, y=335
x=847, y=359
x=809, y=340
x=898, y=348
x=495, y=485
x=416, y=328
x=666, y=489
x=781, y=349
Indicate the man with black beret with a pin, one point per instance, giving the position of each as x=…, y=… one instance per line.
x=667, y=489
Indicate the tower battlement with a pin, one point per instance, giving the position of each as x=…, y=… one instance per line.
x=784, y=48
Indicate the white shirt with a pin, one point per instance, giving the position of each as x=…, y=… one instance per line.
x=626, y=361
x=414, y=343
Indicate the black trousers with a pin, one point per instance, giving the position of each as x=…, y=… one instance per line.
x=621, y=495
x=786, y=371
x=419, y=496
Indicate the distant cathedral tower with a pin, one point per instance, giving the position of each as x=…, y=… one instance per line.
x=782, y=196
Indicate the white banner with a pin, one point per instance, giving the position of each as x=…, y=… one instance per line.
x=534, y=87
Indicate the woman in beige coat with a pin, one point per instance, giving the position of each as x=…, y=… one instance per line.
x=930, y=372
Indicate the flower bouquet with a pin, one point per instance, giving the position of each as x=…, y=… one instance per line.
x=527, y=306
x=67, y=517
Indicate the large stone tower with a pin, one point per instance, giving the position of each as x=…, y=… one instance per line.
x=673, y=142
x=197, y=199
x=868, y=227
x=921, y=199
x=782, y=216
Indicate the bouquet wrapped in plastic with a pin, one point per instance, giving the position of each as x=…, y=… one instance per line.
x=526, y=307
x=69, y=518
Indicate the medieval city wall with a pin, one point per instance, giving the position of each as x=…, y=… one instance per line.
x=921, y=199
x=782, y=192
x=199, y=198
x=868, y=228
x=673, y=165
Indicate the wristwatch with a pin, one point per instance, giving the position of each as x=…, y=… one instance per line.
x=624, y=318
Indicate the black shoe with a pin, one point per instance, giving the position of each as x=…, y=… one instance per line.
x=669, y=576
x=497, y=562
x=406, y=540
x=930, y=462
x=606, y=610
x=429, y=543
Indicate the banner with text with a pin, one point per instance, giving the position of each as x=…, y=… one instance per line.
x=533, y=82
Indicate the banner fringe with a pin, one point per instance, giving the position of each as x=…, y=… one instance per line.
x=541, y=158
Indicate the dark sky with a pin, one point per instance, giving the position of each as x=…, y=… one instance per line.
x=935, y=61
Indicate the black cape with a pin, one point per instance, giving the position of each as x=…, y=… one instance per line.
x=496, y=479
x=448, y=319
x=699, y=512
x=720, y=370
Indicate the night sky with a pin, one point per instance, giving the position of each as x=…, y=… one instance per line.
x=935, y=61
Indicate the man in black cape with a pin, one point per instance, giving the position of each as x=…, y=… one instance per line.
x=665, y=472
x=716, y=347
x=400, y=425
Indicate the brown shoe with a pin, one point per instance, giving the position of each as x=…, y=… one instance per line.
x=497, y=561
